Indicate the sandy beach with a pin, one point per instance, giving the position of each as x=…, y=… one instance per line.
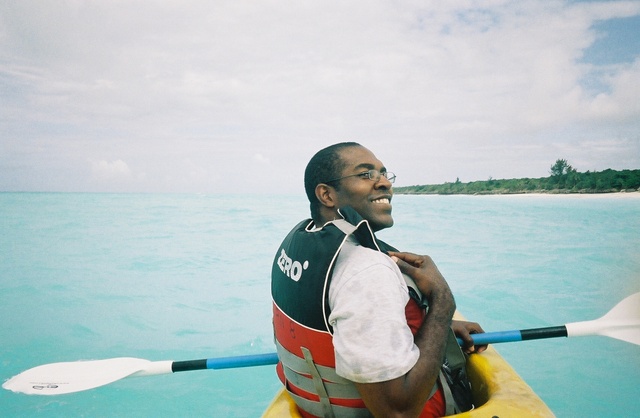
x=619, y=195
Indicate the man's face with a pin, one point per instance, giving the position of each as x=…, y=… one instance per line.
x=371, y=199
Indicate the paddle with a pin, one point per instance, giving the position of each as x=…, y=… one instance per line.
x=622, y=322
x=69, y=377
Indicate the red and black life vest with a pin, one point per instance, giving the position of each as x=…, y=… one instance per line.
x=300, y=279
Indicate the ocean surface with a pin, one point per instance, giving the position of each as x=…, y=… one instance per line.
x=180, y=277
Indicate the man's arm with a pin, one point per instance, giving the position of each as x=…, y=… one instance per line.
x=406, y=395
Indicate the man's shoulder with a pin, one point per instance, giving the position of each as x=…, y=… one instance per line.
x=358, y=257
x=352, y=248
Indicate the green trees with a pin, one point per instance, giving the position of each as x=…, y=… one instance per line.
x=560, y=168
x=563, y=176
x=564, y=179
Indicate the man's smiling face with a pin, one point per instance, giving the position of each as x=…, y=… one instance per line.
x=371, y=199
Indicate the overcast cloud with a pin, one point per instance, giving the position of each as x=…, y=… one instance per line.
x=219, y=96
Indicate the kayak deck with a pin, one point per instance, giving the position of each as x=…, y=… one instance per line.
x=497, y=389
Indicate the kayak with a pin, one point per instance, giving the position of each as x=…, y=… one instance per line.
x=498, y=391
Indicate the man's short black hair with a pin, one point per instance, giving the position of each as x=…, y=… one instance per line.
x=325, y=165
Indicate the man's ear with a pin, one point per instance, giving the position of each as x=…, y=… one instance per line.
x=326, y=195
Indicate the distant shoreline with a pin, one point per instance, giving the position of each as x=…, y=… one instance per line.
x=620, y=195
x=564, y=181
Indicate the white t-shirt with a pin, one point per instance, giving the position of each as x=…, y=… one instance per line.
x=367, y=297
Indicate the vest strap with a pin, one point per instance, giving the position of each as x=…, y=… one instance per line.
x=456, y=361
x=298, y=373
x=298, y=370
x=314, y=408
x=300, y=366
x=344, y=226
x=449, y=401
x=453, y=352
x=334, y=390
x=325, y=403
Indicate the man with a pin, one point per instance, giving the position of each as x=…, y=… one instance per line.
x=349, y=321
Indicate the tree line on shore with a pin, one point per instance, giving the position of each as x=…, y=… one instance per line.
x=563, y=179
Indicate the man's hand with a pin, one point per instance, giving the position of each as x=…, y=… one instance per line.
x=463, y=330
x=424, y=273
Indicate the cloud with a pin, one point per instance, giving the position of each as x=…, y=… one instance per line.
x=116, y=170
x=261, y=159
x=622, y=103
x=425, y=83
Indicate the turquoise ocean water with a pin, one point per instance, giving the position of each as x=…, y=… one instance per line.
x=179, y=277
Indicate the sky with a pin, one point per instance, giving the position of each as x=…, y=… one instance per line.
x=216, y=96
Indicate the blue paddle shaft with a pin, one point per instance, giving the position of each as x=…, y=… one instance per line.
x=225, y=362
x=495, y=337
x=517, y=335
x=242, y=361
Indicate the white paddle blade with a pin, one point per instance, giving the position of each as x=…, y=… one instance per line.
x=69, y=377
x=622, y=322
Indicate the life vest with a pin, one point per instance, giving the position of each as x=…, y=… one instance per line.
x=301, y=275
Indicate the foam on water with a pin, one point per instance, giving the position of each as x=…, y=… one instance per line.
x=88, y=276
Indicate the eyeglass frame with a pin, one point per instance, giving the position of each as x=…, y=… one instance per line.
x=387, y=174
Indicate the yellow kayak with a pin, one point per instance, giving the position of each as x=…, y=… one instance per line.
x=497, y=389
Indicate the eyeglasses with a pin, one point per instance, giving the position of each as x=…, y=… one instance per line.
x=371, y=175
